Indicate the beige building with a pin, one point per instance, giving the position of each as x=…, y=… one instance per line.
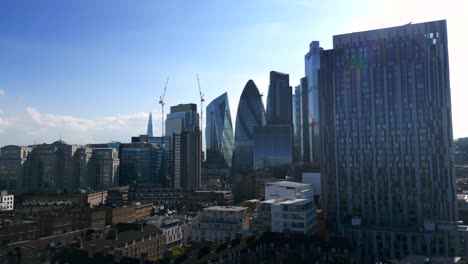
x=216, y=223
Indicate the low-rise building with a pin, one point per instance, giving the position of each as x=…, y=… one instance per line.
x=7, y=201
x=87, y=218
x=143, y=211
x=171, y=228
x=220, y=223
x=17, y=230
x=462, y=201
x=90, y=200
x=201, y=199
x=142, y=243
x=124, y=214
x=173, y=198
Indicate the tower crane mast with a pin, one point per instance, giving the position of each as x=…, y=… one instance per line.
x=162, y=103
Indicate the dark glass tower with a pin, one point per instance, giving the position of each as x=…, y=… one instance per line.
x=279, y=102
x=219, y=133
x=250, y=114
x=386, y=131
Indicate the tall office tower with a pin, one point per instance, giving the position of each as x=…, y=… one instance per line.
x=297, y=123
x=149, y=130
x=386, y=128
x=219, y=133
x=183, y=125
x=187, y=160
x=12, y=159
x=301, y=122
x=50, y=168
x=279, y=101
x=312, y=65
x=250, y=114
x=189, y=114
x=305, y=136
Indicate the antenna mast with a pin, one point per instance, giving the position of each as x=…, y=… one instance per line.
x=162, y=103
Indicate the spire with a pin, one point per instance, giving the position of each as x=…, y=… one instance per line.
x=149, y=131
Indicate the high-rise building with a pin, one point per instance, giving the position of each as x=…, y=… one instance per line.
x=312, y=65
x=12, y=159
x=297, y=132
x=149, y=130
x=250, y=114
x=301, y=122
x=386, y=130
x=219, y=133
x=279, y=101
x=49, y=168
x=183, y=125
x=141, y=163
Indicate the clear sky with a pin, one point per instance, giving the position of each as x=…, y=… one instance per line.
x=90, y=71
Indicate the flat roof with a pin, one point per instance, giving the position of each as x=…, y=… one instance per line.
x=288, y=184
x=225, y=208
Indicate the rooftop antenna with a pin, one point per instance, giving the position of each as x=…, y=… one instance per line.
x=161, y=102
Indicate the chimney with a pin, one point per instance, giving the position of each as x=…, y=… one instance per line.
x=91, y=250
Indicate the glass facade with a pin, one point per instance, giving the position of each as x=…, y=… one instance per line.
x=250, y=114
x=141, y=163
x=219, y=133
x=272, y=146
x=386, y=130
x=312, y=65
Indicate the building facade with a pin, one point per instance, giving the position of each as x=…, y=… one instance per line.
x=141, y=163
x=12, y=170
x=250, y=114
x=219, y=223
x=386, y=133
x=219, y=133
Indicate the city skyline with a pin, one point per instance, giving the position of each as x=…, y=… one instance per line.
x=105, y=73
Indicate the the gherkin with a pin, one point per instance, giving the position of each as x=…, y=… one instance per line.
x=250, y=114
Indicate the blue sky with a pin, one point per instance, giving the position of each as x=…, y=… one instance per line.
x=90, y=71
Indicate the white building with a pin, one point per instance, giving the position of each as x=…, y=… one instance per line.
x=218, y=222
x=6, y=201
x=171, y=228
x=289, y=206
x=294, y=215
x=288, y=190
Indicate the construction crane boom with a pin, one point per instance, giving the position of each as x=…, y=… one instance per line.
x=202, y=99
x=162, y=103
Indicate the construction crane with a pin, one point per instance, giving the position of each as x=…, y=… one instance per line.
x=161, y=102
x=202, y=99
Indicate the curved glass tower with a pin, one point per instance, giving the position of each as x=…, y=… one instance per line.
x=219, y=133
x=250, y=114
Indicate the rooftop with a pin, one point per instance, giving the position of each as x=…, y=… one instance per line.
x=434, y=260
x=225, y=208
x=288, y=184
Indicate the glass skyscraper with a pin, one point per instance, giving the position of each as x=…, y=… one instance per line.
x=219, y=133
x=312, y=65
x=250, y=114
x=272, y=146
x=386, y=129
